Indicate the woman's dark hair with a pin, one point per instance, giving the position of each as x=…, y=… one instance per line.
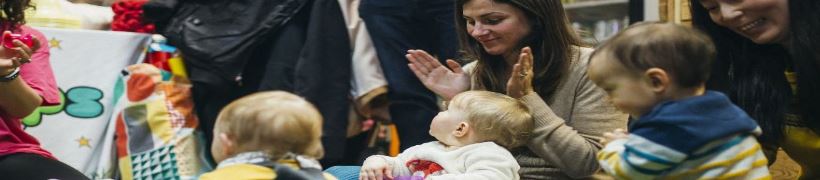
x=14, y=13
x=753, y=74
x=551, y=38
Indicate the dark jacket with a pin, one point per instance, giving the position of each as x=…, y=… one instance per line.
x=300, y=46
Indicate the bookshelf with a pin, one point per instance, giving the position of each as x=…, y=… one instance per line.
x=596, y=10
x=597, y=20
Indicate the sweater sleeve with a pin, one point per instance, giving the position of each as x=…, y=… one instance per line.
x=398, y=162
x=572, y=144
x=485, y=164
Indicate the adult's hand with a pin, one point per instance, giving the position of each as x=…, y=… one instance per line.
x=11, y=58
x=436, y=77
x=520, y=82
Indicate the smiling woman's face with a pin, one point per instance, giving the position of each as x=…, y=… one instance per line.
x=762, y=21
x=498, y=27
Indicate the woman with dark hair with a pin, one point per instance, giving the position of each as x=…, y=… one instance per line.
x=768, y=54
x=527, y=49
x=26, y=82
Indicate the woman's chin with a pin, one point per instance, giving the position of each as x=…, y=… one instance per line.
x=769, y=40
x=494, y=51
x=769, y=37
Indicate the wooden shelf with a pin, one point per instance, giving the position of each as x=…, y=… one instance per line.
x=598, y=10
x=594, y=4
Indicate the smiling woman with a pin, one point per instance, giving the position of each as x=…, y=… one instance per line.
x=497, y=27
x=761, y=21
x=526, y=49
x=768, y=63
x=493, y=33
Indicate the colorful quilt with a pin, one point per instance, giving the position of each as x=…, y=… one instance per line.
x=156, y=128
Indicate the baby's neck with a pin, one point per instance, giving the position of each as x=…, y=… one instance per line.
x=682, y=93
x=458, y=142
x=244, y=158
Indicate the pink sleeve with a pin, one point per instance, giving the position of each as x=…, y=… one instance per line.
x=38, y=73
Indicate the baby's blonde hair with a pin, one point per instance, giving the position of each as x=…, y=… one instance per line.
x=495, y=117
x=276, y=122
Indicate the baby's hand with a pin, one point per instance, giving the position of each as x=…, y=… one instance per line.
x=376, y=168
x=614, y=135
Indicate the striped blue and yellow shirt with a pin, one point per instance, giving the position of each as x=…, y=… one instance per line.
x=702, y=137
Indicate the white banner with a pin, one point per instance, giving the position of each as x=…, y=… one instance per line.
x=86, y=65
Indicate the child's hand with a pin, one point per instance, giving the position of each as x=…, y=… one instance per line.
x=376, y=168
x=614, y=135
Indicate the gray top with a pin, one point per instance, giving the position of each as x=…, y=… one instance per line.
x=568, y=127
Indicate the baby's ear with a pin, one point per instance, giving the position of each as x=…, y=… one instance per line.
x=658, y=79
x=228, y=145
x=462, y=129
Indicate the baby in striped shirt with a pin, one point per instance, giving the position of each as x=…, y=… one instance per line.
x=657, y=72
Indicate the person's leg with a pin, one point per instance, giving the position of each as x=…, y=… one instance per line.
x=344, y=172
x=32, y=166
x=440, y=28
x=208, y=101
x=393, y=30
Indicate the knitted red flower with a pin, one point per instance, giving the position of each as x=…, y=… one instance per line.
x=128, y=17
x=428, y=167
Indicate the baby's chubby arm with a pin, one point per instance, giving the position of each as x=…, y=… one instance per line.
x=379, y=167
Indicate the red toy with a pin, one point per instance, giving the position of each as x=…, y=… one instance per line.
x=8, y=40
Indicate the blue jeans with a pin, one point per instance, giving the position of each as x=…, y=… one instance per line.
x=396, y=26
x=344, y=172
x=352, y=173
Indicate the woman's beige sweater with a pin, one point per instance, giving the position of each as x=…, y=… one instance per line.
x=568, y=127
